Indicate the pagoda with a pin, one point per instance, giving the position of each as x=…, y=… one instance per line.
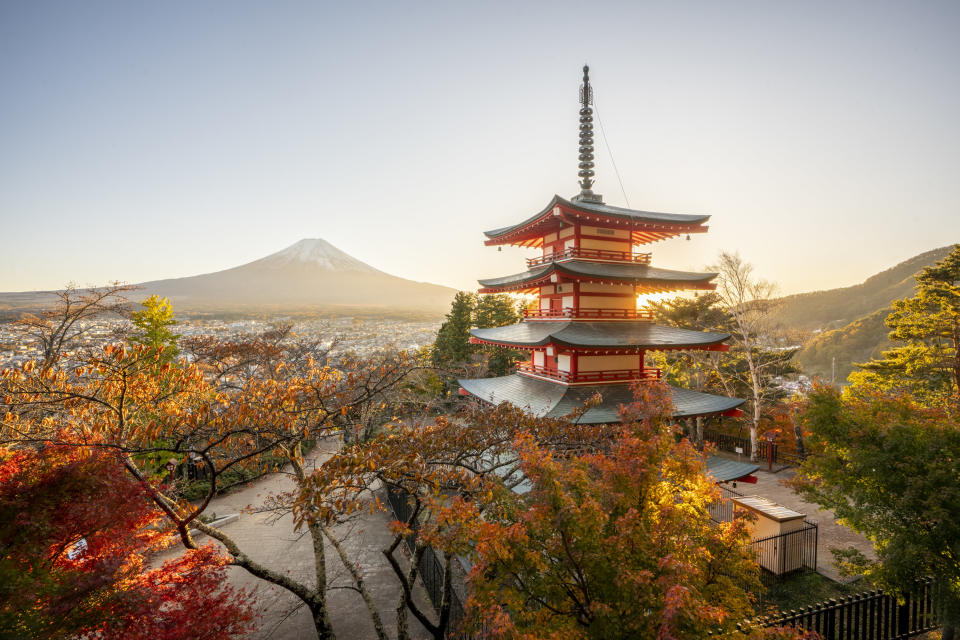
x=585, y=335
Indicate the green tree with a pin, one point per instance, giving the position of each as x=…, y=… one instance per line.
x=497, y=310
x=452, y=345
x=927, y=362
x=152, y=327
x=890, y=469
x=730, y=373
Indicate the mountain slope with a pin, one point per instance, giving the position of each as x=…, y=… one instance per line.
x=858, y=341
x=836, y=307
x=311, y=272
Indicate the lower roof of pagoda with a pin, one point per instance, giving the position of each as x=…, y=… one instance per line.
x=553, y=400
x=645, y=226
x=653, y=279
x=622, y=335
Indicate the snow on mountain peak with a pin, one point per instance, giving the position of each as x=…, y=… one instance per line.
x=320, y=252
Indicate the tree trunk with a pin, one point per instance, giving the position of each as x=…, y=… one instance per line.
x=700, y=433
x=407, y=585
x=359, y=583
x=798, y=435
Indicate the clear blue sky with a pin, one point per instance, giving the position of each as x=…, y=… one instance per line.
x=144, y=140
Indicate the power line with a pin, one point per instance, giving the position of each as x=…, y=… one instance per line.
x=610, y=152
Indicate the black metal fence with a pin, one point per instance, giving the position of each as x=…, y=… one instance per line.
x=872, y=615
x=766, y=451
x=781, y=554
x=785, y=553
x=722, y=510
x=430, y=568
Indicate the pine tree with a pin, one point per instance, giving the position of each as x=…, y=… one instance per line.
x=927, y=362
x=452, y=345
x=497, y=310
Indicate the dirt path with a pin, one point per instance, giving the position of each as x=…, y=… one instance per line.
x=274, y=543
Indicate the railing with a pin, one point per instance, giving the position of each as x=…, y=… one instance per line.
x=590, y=254
x=780, y=554
x=788, y=552
x=612, y=375
x=592, y=313
x=430, y=568
x=722, y=510
x=873, y=614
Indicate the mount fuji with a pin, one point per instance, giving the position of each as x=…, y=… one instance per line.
x=308, y=273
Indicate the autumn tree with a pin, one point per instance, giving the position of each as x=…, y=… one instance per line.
x=447, y=473
x=152, y=327
x=130, y=401
x=76, y=535
x=749, y=301
x=62, y=326
x=614, y=543
x=926, y=363
x=889, y=468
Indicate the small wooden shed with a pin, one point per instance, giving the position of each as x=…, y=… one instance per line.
x=777, y=551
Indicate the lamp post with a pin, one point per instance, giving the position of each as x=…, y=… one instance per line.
x=171, y=466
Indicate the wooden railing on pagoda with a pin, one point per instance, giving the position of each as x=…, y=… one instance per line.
x=588, y=313
x=610, y=375
x=590, y=254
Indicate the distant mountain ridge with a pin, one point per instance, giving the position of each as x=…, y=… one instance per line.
x=851, y=320
x=311, y=273
x=835, y=308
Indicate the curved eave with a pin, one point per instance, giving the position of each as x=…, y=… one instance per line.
x=645, y=226
x=599, y=335
x=652, y=279
x=549, y=399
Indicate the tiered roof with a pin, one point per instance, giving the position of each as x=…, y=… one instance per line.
x=543, y=398
x=646, y=226
x=648, y=279
x=634, y=335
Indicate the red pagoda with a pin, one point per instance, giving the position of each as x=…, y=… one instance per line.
x=586, y=334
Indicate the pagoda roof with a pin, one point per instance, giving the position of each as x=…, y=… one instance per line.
x=647, y=226
x=724, y=470
x=628, y=334
x=654, y=278
x=553, y=400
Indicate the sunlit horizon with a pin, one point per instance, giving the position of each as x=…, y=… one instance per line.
x=153, y=142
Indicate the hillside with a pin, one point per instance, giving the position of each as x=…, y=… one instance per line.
x=858, y=341
x=835, y=308
x=311, y=274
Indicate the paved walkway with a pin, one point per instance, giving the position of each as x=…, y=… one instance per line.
x=831, y=534
x=275, y=544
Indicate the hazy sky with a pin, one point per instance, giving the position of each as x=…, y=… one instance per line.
x=145, y=140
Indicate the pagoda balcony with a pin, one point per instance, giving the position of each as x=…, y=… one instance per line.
x=587, y=314
x=590, y=254
x=589, y=377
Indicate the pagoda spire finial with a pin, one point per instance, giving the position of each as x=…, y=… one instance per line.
x=586, y=141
